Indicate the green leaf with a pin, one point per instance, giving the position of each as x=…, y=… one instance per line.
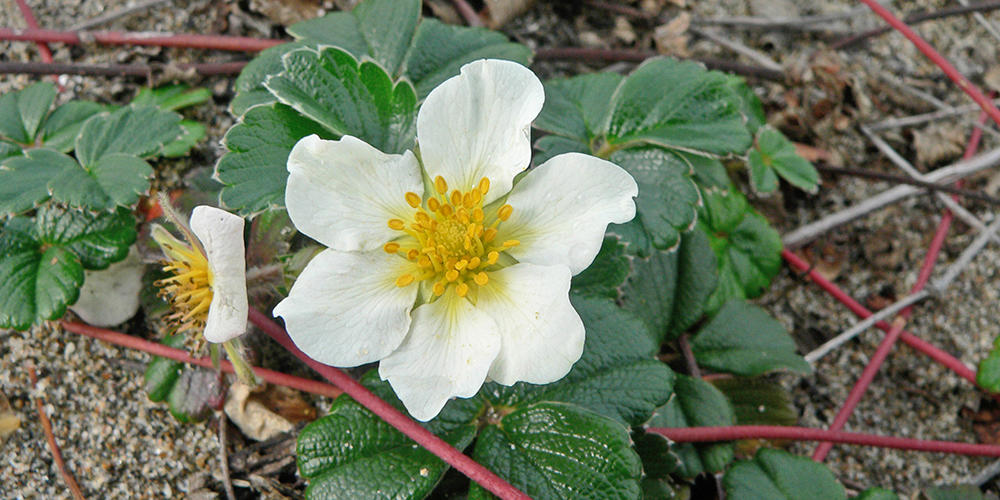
x=678, y=105
x=195, y=394
x=779, y=475
x=751, y=106
x=554, y=450
x=774, y=154
x=744, y=339
x=758, y=401
x=668, y=198
x=747, y=248
x=579, y=108
x=22, y=112
x=172, y=97
x=98, y=240
x=554, y=145
x=162, y=373
x=139, y=131
x=330, y=87
x=61, y=127
x=988, y=374
x=249, y=86
x=697, y=403
x=957, y=492
x=115, y=180
x=8, y=150
x=877, y=494
x=350, y=453
x=381, y=29
x=606, y=274
x=440, y=50
x=254, y=170
x=668, y=290
x=618, y=375
x=193, y=133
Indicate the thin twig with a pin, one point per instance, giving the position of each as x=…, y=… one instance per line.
x=116, y=14
x=141, y=70
x=468, y=13
x=50, y=436
x=689, y=359
x=916, y=18
x=738, y=432
x=899, y=179
x=183, y=40
x=981, y=19
x=865, y=324
x=945, y=175
x=593, y=54
x=227, y=482
x=909, y=121
x=624, y=10
x=934, y=101
x=941, y=284
x=753, y=54
x=804, y=23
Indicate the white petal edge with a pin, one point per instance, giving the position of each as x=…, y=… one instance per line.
x=562, y=209
x=447, y=353
x=221, y=235
x=342, y=193
x=345, y=308
x=111, y=296
x=477, y=124
x=541, y=334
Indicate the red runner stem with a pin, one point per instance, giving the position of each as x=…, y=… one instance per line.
x=183, y=40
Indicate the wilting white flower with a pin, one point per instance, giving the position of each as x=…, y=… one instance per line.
x=207, y=288
x=438, y=265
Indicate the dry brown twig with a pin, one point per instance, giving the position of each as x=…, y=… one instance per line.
x=57, y=457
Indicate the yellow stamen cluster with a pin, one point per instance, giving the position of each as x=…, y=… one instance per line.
x=452, y=243
x=189, y=290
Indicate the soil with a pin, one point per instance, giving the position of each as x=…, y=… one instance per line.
x=118, y=444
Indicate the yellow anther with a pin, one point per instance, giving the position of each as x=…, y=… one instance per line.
x=396, y=224
x=468, y=200
x=478, y=215
x=489, y=234
x=404, y=280
x=492, y=257
x=413, y=199
x=433, y=204
x=422, y=218
x=504, y=212
x=462, y=289
x=456, y=198
x=461, y=265
x=484, y=185
x=511, y=243
x=474, y=262
x=391, y=247
x=425, y=261
x=446, y=210
x=412, y=254
x=477, y=197
x=481, y=279
x=438, y=288
x=440, y=185
x=451, y=275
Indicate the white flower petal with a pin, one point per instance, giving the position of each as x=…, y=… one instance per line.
x=111, y=296
x=563, y=207
x=221, y=235
x=447, y=353
x=477, y=124
x=345, y=308
x=342, y=193
x=541, y=335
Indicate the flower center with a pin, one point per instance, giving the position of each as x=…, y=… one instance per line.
x=452, y=242
x=189, y=289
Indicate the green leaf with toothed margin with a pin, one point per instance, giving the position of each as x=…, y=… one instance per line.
x=779, y=475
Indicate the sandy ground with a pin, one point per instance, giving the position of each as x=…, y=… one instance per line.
x=119, y=444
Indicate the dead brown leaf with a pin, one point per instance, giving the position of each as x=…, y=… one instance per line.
x=9, y=421
x=286, y=402
x=624, y=31
x=287, y=12
x=252, y=417
x=938, y=143
x=499, y=12
x=672, y=38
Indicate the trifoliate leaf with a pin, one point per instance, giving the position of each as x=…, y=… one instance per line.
x=440, y=50
x=774, y=154
x=580, y=107
x=22, y=112
x=171, y=97
x=61, y=127
x=678, y=105
x=618, y=375
x=743, y=339
x=330, y=87
x=42, y=260
x=249, y=85
x=697, y=403
x=380, y=29
x=606, y=274
x=779, y=475
x=747, y=248
x=139, y=131
x=668, y=290
x=350, y=453
x=556, y=450
x=254, y=170
x=751, y=106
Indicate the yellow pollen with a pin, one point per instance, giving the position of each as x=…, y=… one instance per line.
x=189, y=288
x=450, y=240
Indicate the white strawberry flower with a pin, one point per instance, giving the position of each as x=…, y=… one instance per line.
x=438, y=265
